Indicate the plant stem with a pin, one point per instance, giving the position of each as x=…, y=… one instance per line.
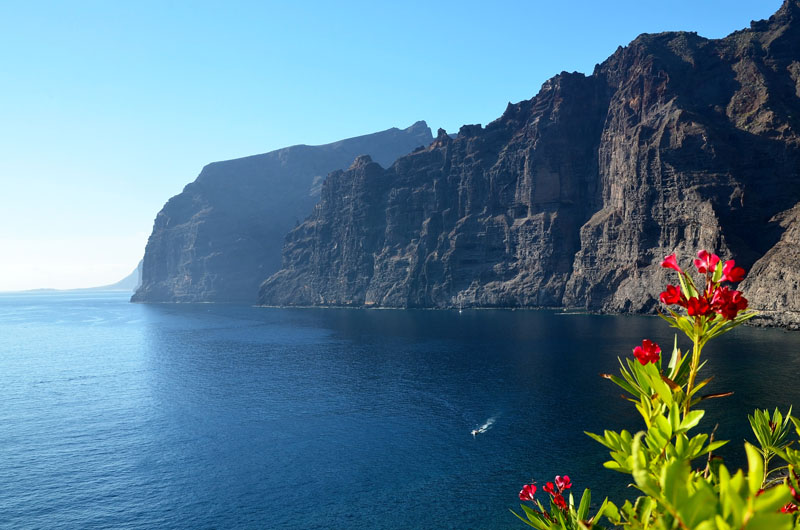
x=693, y=369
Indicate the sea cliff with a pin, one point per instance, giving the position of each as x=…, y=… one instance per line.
x=572, y=198
x=222, y=236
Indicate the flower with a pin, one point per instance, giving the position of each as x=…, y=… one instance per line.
x=727, y=302
x=698, y=307
x=730, y=273
x=564, y=483
x=673, y=295
x=550, y=488
x=706, y=262
x=671, y=262
x=527, y=491
x=789, y=508
x=559, y=501
x=646, y=353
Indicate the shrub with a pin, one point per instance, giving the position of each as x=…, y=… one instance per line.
x=683, y=485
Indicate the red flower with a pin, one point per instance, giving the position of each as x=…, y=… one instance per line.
x=559, y=501
x=564, y=483
x=789, y=508
x=673, y=295
x=728, y=303
x=731, y=273
x=698, y=307
x=646, y=353
x=527, y=491
x=706, y=263
x=671, y=262
x=550, y=488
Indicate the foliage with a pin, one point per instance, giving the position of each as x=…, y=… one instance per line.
x=683, y=484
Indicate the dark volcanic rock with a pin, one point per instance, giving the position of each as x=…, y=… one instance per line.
x=222, y=236
x=675, y=143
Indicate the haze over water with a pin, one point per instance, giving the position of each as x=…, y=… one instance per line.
x=116, y=415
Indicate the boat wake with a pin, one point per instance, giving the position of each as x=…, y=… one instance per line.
x=483, y=428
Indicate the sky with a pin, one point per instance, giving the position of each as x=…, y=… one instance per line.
x=107, y=109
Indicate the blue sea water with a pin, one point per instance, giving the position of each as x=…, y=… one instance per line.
x=119, y=415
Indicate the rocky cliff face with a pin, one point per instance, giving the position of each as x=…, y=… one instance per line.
x=222, y=236
x=674, y=143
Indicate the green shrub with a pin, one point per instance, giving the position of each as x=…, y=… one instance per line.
x=683, y=484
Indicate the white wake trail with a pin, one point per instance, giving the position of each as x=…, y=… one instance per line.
x=485, y=427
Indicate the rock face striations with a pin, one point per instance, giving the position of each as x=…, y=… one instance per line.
x=222, y=236
x=572, y=198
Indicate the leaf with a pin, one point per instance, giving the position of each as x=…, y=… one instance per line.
x=610, y=511
x=673, y=482
x=624, y=385
x=642, y=508
x=661, y=388
x=672, y=384
x=773, y=499
x=755, y=468
x=583, y=508
x=701, y=384
x=770, y=521
x=691, y=420
x=596, y=438
x=700, y=507
x=540, y=526
x=721, y=523
x=640, y=472
x=716, y=395
x=717, y=272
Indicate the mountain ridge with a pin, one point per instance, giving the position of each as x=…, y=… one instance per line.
x=221, y=236
x=570, y=199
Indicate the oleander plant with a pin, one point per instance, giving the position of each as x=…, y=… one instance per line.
x=681, y=483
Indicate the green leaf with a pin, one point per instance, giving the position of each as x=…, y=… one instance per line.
x=642, y=508
x=624, y=385
x=717, y=272
x=673, y=482
x=597, y=438
x=770, y=521
x=664, y=428
x=773, y=499
x=640, y=472
x=610, y=511
x=538, y=524
x=721, y=523
x=700, y=507
x=691, y=420
x=583, y=508
x=755, y=468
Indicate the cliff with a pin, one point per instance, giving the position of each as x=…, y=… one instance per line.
x=572, y=198
x=222, y=236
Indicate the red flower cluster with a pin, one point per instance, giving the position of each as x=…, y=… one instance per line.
x=648, y=352
x=727, y=302
x=715, y=298
x=527, y=492
x=555, y=490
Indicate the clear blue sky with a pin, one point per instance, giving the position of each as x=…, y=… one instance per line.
x=110, y=108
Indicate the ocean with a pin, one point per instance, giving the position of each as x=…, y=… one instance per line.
x=120, y=415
